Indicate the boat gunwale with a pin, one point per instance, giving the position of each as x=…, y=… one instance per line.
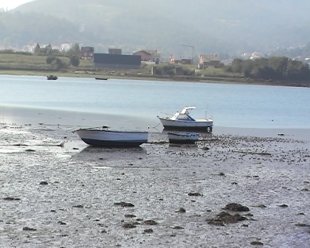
x=111, y=131
x=188, y=121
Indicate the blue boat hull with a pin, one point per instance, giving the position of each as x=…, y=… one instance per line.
x=102, y=143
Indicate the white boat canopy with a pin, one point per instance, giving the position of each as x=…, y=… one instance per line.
x=183, y=115
x=186, y=110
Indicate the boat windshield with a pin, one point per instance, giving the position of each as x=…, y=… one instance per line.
x=181, y=116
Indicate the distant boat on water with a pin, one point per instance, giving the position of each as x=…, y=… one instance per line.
x=101, y=78
x=51, y=77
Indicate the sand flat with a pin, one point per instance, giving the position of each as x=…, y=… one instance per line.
x=78, y=196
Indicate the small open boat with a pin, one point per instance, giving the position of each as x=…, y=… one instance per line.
x=101, y=78
x=51, y=77
x=182, y=137
x=183, y=121
x=110, y=138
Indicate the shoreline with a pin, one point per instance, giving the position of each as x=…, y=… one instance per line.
x=206, y=79
x=38, y=117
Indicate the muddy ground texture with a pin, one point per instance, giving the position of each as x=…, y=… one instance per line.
x=227, y=191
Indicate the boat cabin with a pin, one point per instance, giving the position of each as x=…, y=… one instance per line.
x=183, y=115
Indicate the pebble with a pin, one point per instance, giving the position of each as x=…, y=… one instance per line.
x=236, y=207
x=124, y=204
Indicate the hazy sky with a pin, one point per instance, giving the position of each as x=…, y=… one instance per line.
x=11, y=4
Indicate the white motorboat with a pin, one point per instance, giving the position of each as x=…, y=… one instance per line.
x=182, y=120
x=182, y=137
x=109, y=138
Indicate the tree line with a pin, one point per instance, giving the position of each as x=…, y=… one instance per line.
x=53, y=55
x=56, y=59
x=273, y=68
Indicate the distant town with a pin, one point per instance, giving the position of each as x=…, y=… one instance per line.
x=84, y=60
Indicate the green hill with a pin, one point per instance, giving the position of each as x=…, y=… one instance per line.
x=210, y=26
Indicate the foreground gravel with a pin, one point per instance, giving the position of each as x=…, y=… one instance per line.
x=57, y=192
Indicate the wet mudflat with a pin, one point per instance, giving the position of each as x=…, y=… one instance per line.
x=228, y=191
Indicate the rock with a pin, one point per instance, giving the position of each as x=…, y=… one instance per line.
x=148, y=231
x=150, y=222
x=124, y=204
x=29, y=229
x=11, y=198
x=43, y=183
x=30, y=150
x=256, y=243
x=78, y=206
x=260, y=206
x=130, y=216
x=283, y=206
x=194, y=194
x=19, y=144
x=216, y=222
x=181, y=210
x=129, y=225
x=229, y=218
x=226, y=218
x=236, y=207
x=61, y=223
x=302, y=225
x=178, y=227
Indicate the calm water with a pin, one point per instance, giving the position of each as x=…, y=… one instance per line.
x=230, y=105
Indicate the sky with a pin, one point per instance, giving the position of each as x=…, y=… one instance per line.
x=11, y=4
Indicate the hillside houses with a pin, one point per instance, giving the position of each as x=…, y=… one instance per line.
x=148, y=55
x=87, y=52
x=209, y=60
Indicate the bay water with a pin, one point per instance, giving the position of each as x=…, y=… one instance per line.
x=228, y=104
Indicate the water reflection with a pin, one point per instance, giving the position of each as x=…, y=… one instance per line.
x=176, y=137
